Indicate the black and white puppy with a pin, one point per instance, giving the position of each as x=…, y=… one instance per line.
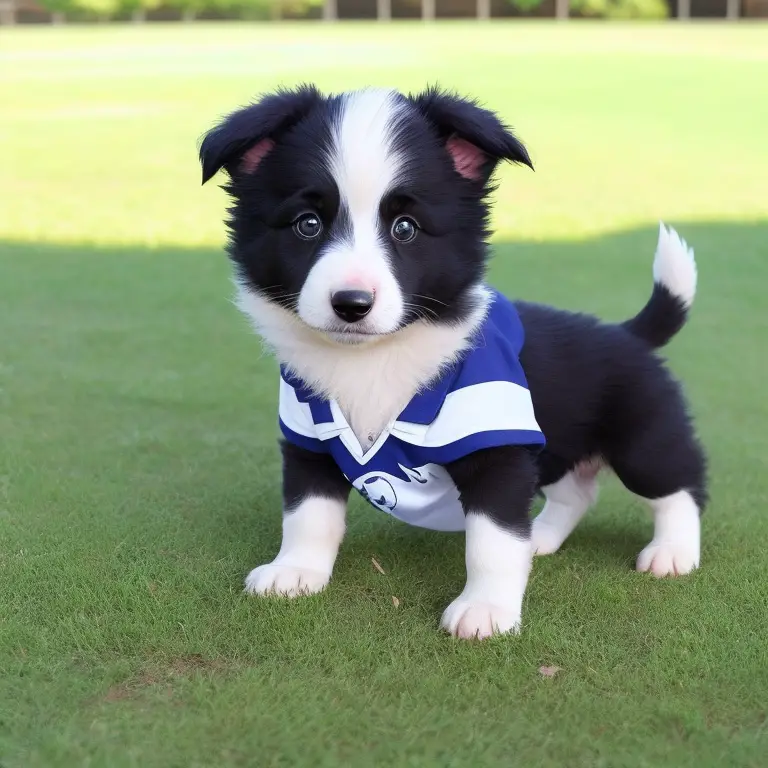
x=359, y=238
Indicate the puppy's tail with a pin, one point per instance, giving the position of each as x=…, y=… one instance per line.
x=674, y=286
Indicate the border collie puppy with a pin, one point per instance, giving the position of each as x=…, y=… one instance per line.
x=359, y=238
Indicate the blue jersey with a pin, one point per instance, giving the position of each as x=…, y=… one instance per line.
x=480, y=401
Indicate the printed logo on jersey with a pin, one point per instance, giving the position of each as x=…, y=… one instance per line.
x=379, y=488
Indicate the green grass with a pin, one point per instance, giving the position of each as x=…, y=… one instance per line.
x=138, y=462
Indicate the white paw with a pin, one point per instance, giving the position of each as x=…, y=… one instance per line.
x=668, y=558
x=545, y=537
x=476, y=620
x=285, y=580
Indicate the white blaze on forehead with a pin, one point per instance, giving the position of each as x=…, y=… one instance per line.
x=364, y=162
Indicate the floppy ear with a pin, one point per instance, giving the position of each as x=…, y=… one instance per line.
x=244, y=138
x=474, y=137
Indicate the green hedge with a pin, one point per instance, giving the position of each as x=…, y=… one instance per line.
x=607, y=9
x=264, y=9
x=244, y=9
x=621, y=9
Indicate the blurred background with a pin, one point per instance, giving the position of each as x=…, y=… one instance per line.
x=139, y=470
x=61, y=11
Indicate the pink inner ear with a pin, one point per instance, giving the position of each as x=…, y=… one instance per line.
x=467, y=158
x=255, y=155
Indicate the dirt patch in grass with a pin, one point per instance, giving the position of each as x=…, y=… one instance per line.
x=157, y=675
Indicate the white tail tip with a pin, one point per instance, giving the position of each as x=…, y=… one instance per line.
x=674, y=266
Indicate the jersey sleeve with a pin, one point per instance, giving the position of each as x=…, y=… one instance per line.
x=488, y=404
x=296, y=422
x=484, y=415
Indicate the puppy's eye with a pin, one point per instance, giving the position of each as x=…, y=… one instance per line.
x=308, y=226
x=404, y=229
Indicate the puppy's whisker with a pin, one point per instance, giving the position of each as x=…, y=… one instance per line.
x=420, y=312
x=428, y=298
x=285, y=299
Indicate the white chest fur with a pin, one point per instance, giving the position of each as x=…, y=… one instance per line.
x=371, y=383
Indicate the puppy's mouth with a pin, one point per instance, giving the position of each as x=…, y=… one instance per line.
x=351, y=334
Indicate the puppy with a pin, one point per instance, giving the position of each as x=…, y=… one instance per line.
x=359, y=236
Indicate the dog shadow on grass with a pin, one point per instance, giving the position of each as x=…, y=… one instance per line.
x=607, y=543
x=134, y=365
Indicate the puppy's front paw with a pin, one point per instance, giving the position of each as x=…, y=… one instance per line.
x=285, y=580
x=668, y=558
x=471, y=619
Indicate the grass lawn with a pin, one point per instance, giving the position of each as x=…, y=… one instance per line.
x=139, y=473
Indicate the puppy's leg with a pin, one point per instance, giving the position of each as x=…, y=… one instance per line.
x=667, y=468
x=315, y=500
x=568, y=500
x=676, y=545
x=496, y=487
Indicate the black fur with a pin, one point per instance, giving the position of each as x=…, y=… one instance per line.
x=456, y=116
x=307, y=474
x=600, y=391
x=452, y=211
x=223, y=146
x=477, y=478
x=660, y=319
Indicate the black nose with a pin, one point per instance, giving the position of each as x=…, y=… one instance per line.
x=352, y=306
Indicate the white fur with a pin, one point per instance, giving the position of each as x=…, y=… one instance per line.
x=365, y=166
x=674, y=266
x=676, y=546
x=498, y=565
x=371, y=383
x=567, y=502
x=312, y=534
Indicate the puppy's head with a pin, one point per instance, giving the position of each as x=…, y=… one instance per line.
x=360, y=213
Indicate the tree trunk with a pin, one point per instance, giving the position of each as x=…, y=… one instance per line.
x=139, y=16
x=277, y=10
x=383, y=10
x=733, y=10
x=7, y=12
x=330, y=10
x=684, y=10
x=562, y=9
x=483, y=10
x=188, y=15
x=58, y=18
x=428, y=10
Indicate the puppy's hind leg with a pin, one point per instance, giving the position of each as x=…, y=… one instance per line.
x=668, y=470
x=568, y=500
x=676, y=545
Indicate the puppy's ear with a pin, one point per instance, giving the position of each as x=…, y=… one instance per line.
x=244, y=138
x=474, y=137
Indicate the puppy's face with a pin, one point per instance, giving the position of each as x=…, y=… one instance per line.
x=360, y=213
